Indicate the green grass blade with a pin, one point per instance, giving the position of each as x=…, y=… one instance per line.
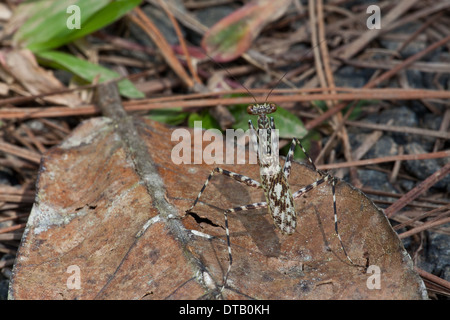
x=88, y=71
x=46, y=24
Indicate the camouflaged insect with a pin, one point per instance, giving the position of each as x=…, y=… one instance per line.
x=274, y=179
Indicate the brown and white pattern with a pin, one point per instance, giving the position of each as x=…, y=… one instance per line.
x=274, y=179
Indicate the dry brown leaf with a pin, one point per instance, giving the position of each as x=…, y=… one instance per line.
x=22, y=65
x=233, y=35
x=94, y=211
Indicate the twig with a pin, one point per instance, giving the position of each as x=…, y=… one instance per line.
x=18, y=216
x=367, y=144
x=433, y=278
x=313, y=123
x=33, y=138
x=20, y=152
x=150, y=104
x=402, y=129
x=443, y=128
x=147, y=25
x=327, y=80
x=365, y=162
x=336, y=130
x=423, y=227
x=396, y=168
x=420, y=217
x=13, y=228
x=407, y=62
x=429, y=67
x=176, y=27
x=10, y=236
x=16, y=100
x=419, y=189
x=6, y=263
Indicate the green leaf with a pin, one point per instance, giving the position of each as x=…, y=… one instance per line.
x=288, y=124
x=88, y=71
x=46, y=26
x=208, y=122
x=227, y=40
x=110, y=13
x=358, y=108
x=172, y=116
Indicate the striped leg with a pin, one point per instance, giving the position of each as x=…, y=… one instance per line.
x=332, y=180
x=333, y=187
x=238, y=177
x=242, y=179
x=325, y=178
x=258, y=205
x=290, y=156
x=311, y=186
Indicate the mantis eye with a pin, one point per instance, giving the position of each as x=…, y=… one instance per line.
x=273, y=107
x=250, y=109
